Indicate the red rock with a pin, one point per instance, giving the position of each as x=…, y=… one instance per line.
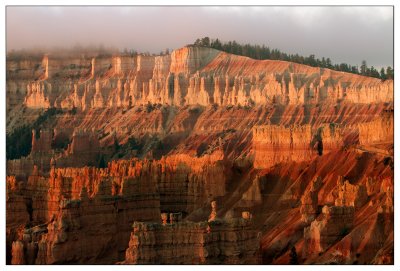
x=267, y=140
x=234, y=241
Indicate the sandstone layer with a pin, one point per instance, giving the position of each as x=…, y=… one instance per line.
x=290, y=158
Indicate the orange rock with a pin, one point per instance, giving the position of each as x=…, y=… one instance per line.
x=234, y=241
x=196, y=75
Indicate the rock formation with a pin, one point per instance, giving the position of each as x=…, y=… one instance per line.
x=153, y=141
x=41, y=144
x=335, y=222
x=18, y=253
x=83, y=150
x=276, y=144
x=350, y=195
x=252, y=197
x=379, y=130
x=194, y=75
x=309, y=201
x=224, y=241
x=213, y=214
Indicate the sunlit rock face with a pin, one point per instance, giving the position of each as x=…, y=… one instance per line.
x=224, y=242
x=380, y=130
x=274, y=144
x=188, y=76
x=197, y=157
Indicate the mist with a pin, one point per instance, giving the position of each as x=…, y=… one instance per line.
x=345, y=34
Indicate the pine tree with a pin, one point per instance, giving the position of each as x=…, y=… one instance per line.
x=264, y=52
x=389, y=73
x=364, y=68
x=293, y=256
x=205, y=41
x=102, y=162
x=383, y=74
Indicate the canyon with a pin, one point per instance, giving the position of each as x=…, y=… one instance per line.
x=197, y=157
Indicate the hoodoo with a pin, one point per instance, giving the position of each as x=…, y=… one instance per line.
x=196, y=157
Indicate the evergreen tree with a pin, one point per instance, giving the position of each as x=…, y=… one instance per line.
x=364, y=68
x=329, y=63
x=389, y=73
x=383, y=74
x=264, y=52
x=323, y=62
x=354, y=69
x=205, y=42
x=374, y=72
x=102, y=162
x=293, y=256
x=116, y=144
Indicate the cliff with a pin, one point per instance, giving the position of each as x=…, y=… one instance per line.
x=232, y=241
x=380, y=130
x=97, y=206
x=294, y=196
x=275, y=144
x=309, y=201
x=322, y=233
x=94, y=206
x=190, y=75
x=290, y=157
x=83, y=150
x=351, y=195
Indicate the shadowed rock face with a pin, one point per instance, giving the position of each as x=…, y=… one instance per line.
x=198, y=157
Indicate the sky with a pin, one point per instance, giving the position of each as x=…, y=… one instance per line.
x=344, y=34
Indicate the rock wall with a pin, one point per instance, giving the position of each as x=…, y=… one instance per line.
x=187, y=183
x=309, y=201
x=331, y=137
x=97, y=206
x=274, y=144
x=252, y=196
x=16, y=203
x=380, y=130
x=299, y=122
x=21, y=168
x=87, y=211
x=232, y=241
x=42, y=143
x=38, y=95
x=336, y=221
x=192, y=75
x=351, y=195
x=83, y=150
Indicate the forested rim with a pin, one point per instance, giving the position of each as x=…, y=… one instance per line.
x=262, y=52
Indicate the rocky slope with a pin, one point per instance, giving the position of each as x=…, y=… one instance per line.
x=191, y=75
x=288, y=156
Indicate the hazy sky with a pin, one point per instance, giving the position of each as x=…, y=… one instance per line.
x=345, y=34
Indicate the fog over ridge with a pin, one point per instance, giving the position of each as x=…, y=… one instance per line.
x=345, y=34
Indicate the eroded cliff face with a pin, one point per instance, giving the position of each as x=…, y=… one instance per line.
x=233, y=241
x=273, y=144
x=83, y=150
x=190, y=75
x=377, y=131
x=339, y=220
x=88, y=212
x=287, y=155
